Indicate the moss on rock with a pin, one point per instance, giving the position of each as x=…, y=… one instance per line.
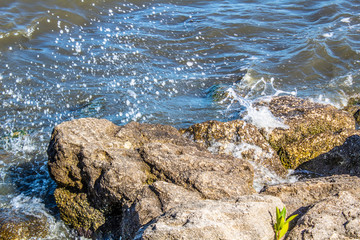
x=76, y=211
x=314, y=129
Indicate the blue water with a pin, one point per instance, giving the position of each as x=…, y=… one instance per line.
x=169, y=62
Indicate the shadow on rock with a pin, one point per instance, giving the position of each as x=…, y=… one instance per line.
x=343, y=159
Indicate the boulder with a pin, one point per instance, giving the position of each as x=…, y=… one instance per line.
x=242, y=140
x=248, y=217
x=300, y=195
x=313, y=129
x=343, y=159
x=16, y=225
x=111, y=176
x=336, y=217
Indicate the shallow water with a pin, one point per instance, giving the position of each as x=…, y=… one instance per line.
x=170, y=62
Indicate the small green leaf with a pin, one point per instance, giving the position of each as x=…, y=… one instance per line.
x=277, y=214
x=283, y=213
x=291, y=218
x=284, y=230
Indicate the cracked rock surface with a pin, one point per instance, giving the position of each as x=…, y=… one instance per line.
x=126, y=176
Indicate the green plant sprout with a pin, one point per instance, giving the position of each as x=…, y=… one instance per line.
x=281, y=226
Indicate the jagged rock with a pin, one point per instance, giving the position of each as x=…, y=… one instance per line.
x=16, y=226
x=300, y=195
x=313, y=129
x=248, y=217
x=153, y=201
x=115, y=171
x=344, y=159
x=238, y=138
x=336, y=217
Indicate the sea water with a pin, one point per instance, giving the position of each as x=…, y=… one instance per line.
x=169, y=62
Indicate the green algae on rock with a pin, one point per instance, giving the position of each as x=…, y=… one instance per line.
x=76, y=211
x=314, y=129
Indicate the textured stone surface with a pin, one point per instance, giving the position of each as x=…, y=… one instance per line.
x=109, y=174
x=343, y=159
x=336, y=217
x=238, y=138
x=300, y=195
x=249, y=217
x=353, y=107
x=313, y=129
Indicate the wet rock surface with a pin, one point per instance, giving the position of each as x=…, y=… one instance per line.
x=103, y=168
x=17, y=226
x=313, y=129
x=155, y=182
x=242, y=140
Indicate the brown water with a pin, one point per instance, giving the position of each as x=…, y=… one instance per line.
x=159, y=62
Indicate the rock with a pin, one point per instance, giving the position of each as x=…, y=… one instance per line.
x=213, y=176
x=313, y=129
x=76, y=211
x=336, y=217
x=248, y=217
x=353, y=107
x=153, y=201
x=237, y=138
x=111, y=176
x=16, y=226
x=300, y=195
x=344, y=159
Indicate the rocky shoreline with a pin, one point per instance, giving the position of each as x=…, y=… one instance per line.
x=213, y=180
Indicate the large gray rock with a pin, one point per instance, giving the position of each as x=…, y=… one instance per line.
x=313, y=129
x=110, y=174
x=336, y=217
x=246, y=218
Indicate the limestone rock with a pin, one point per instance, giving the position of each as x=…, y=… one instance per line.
x=238, y=138
x=17, y=226
x=152, y=202
x=213, y=176
x=343, y=159
x=336, y=217
x=313, y=129
x=248, y=217
x=114, y=173
x=300, y=195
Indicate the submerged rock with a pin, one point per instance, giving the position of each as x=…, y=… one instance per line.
x=110, y=176
x=238, y=138
x=17, y=226
x=248, y=217
x=313, y=129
